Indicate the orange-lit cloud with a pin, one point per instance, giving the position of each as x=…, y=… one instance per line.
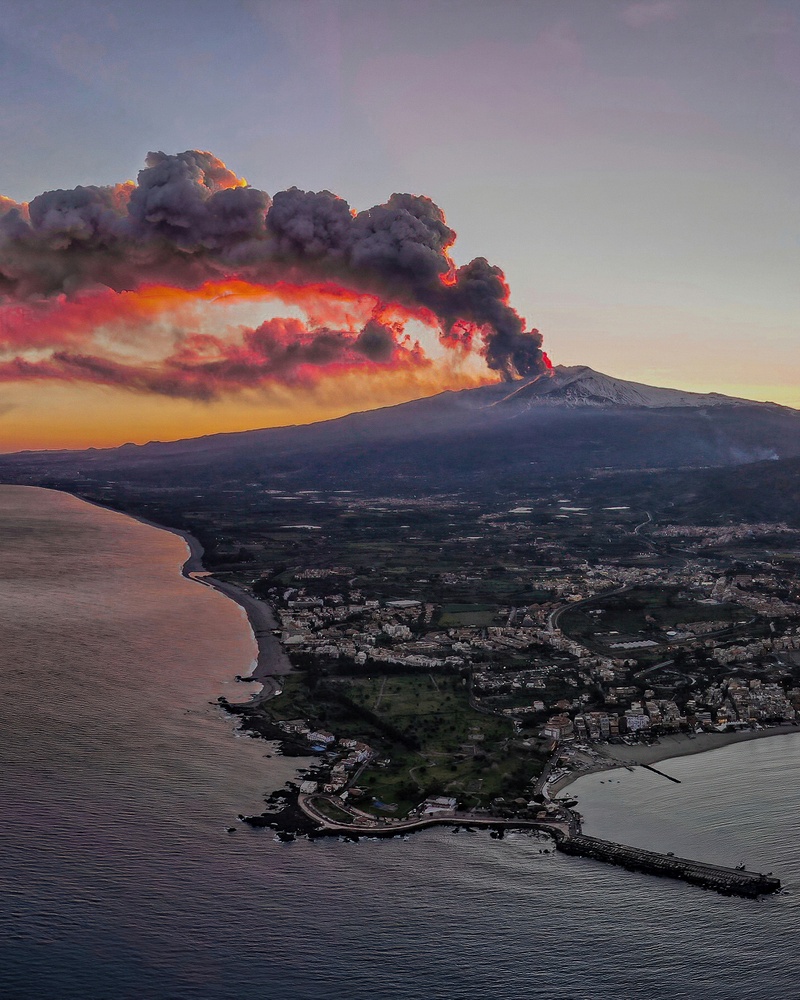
x=112, y=286
x=206, y=367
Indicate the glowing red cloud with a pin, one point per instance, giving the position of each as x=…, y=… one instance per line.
x=91, y=276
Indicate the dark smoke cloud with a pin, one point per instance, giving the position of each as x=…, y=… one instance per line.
x=376, y=342
x=480, y=292
x=309, y=226
x=188, y=219
x=403, y=241
x=195, y=204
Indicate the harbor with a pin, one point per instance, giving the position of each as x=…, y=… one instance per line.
x=564, y=827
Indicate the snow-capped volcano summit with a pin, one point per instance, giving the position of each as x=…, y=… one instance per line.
x=579, y=385
x=574, y=420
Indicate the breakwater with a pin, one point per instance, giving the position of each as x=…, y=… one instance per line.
x=728, y=881
x=565, y=831
x=655, y=770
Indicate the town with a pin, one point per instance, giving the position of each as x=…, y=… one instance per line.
x=449, y=650
x=481, y=647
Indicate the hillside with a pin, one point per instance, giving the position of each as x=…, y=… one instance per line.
x=575, y=421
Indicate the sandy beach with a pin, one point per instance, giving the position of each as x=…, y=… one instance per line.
x=678, y=745
x=271, y=660
x=272, y=663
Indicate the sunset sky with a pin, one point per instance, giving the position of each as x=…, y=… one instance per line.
x=630, y=166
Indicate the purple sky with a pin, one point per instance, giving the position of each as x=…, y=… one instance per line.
x=631, y=165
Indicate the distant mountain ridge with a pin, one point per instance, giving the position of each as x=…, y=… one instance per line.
x=573, y=421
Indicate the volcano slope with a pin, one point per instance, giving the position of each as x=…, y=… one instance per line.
x=574, y=422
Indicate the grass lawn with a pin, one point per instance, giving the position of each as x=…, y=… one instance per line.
x=332, y=811
x=447, y=746
x=462, y=753
x=455, y=615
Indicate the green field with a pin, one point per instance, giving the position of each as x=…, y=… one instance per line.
x=332, y=811
x=434, y=741
x=455, y=615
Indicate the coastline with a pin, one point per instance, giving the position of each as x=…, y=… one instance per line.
x=272, y=662
x=271, y=659
x=668, y=747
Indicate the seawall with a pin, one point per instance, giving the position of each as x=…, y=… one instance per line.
x=728, y=881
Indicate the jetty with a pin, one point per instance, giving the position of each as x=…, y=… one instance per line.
x=728, y=881
x=655, y=770
x=564, y=828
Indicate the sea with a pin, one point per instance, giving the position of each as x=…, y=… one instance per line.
x=120, y=779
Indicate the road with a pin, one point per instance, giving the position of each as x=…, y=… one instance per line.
x=380, y=696
x=552, y=618
x=541, y=781
x=650, y=670
x=367, y=825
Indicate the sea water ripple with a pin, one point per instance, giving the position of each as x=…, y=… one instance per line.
x=119, y=778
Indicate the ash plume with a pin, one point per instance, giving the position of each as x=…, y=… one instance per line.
x=189, y=220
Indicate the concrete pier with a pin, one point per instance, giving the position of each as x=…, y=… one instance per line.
x=728, y=881
x=564, y=828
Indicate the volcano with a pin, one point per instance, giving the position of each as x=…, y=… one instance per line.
x=571, y=421
x=580, y=385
